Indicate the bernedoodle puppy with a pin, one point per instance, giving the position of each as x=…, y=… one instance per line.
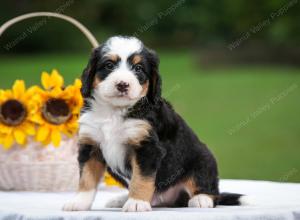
x=127, y=128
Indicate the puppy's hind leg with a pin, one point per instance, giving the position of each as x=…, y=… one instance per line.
x=91, y=170
x=199, y=198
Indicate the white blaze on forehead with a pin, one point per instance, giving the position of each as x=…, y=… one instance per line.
x=123, y=46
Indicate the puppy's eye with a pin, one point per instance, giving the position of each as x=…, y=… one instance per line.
x=109, y=65
x=138, y=68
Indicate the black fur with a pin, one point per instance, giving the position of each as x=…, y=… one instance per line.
x=154, y=92
x=183, y=154
x=182, y=200
x=228, y=199
x=89, y=73
x=149, y=156
x=86, y=152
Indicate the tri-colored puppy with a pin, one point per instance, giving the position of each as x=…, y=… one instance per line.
x=127, y=128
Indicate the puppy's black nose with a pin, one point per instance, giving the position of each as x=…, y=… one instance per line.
x=122, y=86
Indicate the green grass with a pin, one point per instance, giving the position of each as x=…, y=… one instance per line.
x=266, y=141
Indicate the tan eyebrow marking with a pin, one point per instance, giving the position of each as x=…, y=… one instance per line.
x=136, y=59
x=113, y=57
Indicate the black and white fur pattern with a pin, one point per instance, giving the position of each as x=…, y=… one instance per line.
x=138, y=136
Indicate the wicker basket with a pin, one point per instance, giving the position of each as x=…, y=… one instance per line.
x=36, y=167
x=34, y=176
x=40, y=168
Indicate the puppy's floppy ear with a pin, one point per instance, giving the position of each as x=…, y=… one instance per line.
x=88, y=74
x=154, y=92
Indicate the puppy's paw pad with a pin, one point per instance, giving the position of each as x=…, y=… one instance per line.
x=133, y=205
x=76, y=206
x=201, y=201
x=117, y=202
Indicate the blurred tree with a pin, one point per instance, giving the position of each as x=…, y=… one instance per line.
x=176, y=23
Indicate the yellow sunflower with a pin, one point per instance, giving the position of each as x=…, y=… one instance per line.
x=110, y=181
x=59, y=108
x=16, y=109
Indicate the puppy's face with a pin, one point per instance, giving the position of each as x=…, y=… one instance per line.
x=121, y=72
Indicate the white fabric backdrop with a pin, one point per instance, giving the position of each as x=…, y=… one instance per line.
x=273, y=201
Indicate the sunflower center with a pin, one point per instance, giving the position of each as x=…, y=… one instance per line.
x=56, y=111
x=12, y=112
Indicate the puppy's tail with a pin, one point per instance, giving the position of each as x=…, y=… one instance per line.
x=232, y=199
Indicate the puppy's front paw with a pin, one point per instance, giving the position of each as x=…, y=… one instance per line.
x=201, y=201
x=82, y=202
x=134, y=205
x=76, y=206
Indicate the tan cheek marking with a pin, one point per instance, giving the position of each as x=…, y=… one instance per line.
x=191, y=186
x=136, y=59
x=96, y=81
x=142, y=132
x=91, y=173
x=145, y=87
x=140, y=187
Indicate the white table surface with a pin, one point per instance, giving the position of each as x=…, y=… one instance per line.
x=272, y=201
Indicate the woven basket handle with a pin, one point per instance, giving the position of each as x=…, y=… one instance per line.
x=80, y=26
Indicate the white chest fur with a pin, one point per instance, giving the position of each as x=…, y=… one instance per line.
x=108, y=127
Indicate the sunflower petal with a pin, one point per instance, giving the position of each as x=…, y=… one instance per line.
x=8, y=141
x=110, y=181
x=32, y=91
x=2, y=94
x=67, y=93
x=47, y=141
x=78, y=83
x=56, y=92
x=5, y=129
x=46, y=80
x=20, y=136
x=29, y=128
x=6, y=94
x=36, y=118
x=18, y=89
x=56, y=138
x=56, y=79
x=42, y=133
